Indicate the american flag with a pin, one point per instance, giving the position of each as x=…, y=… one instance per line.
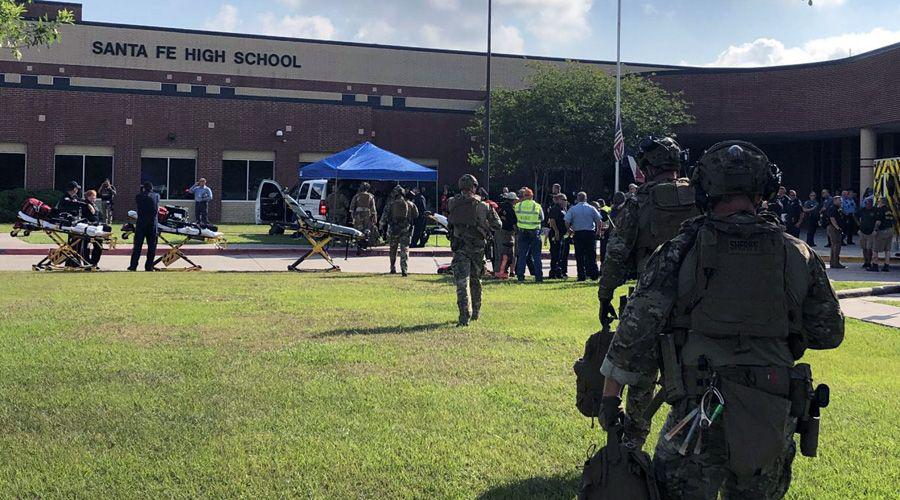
x=619, y=142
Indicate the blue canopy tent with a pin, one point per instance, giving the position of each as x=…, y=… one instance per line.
x=367, y=162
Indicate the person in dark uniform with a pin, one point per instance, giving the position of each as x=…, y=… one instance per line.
x=91, y=249
x=419, y=239
x=71, y=202
x=147, y=208
x=72, y=206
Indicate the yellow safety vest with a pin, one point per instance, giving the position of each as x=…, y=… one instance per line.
x=528, y=214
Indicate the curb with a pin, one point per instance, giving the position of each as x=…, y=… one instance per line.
x=868, y=292
x=289, y=251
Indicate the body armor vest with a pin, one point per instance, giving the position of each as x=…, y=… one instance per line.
x=399, y=211
x=662, y=209
x=363, y=202
x=739, y=287
x=463, y=217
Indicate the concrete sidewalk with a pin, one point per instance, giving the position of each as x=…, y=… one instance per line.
x=850, y=254
x=868, y=309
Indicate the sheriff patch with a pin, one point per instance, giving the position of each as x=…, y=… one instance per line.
x=744, y=247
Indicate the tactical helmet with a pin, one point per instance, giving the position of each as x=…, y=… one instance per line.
x=398, y=191
x=661, y=153
x=735, y=167
x=467, y=182
x=364, y=187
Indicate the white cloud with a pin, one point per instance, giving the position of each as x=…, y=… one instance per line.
x=770, y=52
x=225, y=20
x=318, y=27
x=650, y=9
x=508, y=40
x=541, y=26
x=553, y=21
x=444, y=4
x=377, y=31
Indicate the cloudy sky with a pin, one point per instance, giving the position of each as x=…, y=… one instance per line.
x=690, y=32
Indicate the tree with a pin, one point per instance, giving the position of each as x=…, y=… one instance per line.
x=565, y=121
x=17, y=33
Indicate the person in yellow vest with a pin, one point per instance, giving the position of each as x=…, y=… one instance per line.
x=529, y=216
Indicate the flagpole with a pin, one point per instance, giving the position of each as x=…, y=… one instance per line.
x=487, y=110
x=618, y=80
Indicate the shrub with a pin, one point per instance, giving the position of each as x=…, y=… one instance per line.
x=11, y=200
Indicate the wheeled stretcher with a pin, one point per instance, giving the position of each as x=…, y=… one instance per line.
x=69, y=233
x=171, y=223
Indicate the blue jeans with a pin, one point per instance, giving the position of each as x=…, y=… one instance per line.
x=528, y=249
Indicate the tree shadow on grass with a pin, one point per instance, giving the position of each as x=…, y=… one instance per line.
x=378, y=330
x=559, y=486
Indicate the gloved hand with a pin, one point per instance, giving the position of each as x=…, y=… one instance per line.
x=607, y=312
x=610, y=413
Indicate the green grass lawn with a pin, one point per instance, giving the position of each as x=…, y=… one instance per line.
x=342, y=386
x=895, y=303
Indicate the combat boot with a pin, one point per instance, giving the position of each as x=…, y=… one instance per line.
x=475, y=314
x=403, y=273
x=463, y=320
x=393, y=270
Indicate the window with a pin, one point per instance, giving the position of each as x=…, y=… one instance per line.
x=258, y=172
x=87, y=170
x=317, y=191
x=304, y=191
x=171, y=177
x=234, y=180
x=241, y=178
x=12, y=170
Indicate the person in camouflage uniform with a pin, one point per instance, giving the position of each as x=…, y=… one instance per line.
x=652, y=216
x=362, y=209
x=338, y=207
x=741, y=301
x=471, y=221
x=397, y=220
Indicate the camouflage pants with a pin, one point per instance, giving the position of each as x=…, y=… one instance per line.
x=399, y=241
x=467, y=266
x=364, y=224
x=637, y=400
x=704, y=475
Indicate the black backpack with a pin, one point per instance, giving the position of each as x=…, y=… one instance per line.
x=588, y=379
x=618, y=472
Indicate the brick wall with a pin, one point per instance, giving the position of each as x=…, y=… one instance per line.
x=841, y=96
x=99, y=119
x=49, y=9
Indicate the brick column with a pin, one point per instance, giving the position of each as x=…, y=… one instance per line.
x=868, y=143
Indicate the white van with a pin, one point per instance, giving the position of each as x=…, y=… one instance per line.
x=270, y=208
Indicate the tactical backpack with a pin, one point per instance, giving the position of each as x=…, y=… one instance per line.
x=663, y=207
x=618, y=472
x=588, y=379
